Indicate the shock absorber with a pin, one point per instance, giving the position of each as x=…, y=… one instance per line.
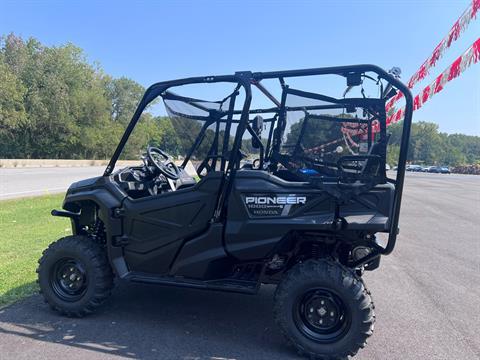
x=98, y=232
x=316, y=251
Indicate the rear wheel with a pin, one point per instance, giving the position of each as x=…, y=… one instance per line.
x=74, y=275
x=324, y=310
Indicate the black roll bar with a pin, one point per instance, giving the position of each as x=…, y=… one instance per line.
x=245, y=79
x=407, y=123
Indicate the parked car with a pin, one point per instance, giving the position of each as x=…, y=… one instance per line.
x=445, y=170
x=434, y=169
x=414, y=168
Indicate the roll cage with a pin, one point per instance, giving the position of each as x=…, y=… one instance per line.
x=225, y=155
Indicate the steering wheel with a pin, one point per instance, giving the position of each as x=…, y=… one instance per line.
x=163, y=162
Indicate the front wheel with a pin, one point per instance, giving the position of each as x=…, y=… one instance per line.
x=74, y=275
x=324, y=310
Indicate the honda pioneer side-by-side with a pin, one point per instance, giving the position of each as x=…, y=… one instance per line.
x=289, y=189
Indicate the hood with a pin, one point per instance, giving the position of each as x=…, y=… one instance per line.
x=83, y=183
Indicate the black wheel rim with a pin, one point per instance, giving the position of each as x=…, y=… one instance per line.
x=321, y=315
x=69, y=279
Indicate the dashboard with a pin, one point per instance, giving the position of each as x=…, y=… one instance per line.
x=143, y=181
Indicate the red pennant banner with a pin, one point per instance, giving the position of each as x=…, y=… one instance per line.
x=454, y=69
x=475, y=7
x=468, y=58
x=438, y=84
x=471, y=56
x=460, y=25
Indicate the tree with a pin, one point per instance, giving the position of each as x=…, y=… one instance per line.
x=124, y=95
x=12, y=110
x=54, y=104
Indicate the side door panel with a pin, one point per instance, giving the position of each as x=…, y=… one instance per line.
x=156, y=227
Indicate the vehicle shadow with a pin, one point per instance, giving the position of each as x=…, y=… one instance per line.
x=152, y=322
x=20, y=291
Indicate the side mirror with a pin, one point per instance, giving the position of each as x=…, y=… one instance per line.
x=257, y=126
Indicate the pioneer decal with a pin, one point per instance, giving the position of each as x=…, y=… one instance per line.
x=273, y=204
x=282, y=200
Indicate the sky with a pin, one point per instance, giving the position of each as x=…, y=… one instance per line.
x=151, y=41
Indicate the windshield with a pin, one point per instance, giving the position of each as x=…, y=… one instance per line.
x=324, y=129
x=195, y=131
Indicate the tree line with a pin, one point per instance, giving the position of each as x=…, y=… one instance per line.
x=56, y=104
x=429, y=146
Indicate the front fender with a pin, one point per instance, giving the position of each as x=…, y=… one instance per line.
x=101, y=197
x=105, y=203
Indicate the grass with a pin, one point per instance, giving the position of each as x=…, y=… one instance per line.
x=26, y=229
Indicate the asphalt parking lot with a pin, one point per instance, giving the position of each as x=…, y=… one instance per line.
x=426, y=294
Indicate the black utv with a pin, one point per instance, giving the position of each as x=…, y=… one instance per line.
x=287, y=186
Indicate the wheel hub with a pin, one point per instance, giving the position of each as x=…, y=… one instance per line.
x=321, y=315
x=68, y=279
x=322, y=312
